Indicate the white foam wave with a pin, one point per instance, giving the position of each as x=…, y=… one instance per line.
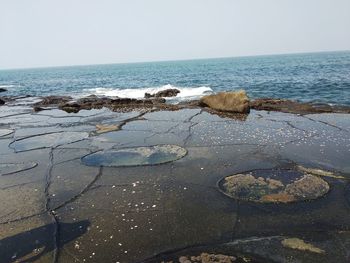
x=186, y=93
x=6, y=86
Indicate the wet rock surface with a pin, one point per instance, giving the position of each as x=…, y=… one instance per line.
x=61, y=210
x=48, y=140
x=12, y=168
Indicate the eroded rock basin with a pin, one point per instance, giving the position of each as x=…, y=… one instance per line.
x=274, y=185
x=103, y=186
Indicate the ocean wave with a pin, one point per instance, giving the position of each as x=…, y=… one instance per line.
x=185, y=92
x=7, y=86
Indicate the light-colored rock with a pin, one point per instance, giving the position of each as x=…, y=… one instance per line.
x=309, y=186
x=299, y=244
x=319, y=172
x=247, y=187
x=208, y=258
x=100, y=128
x=237, y=101
x=278, y=198
x=258, y=189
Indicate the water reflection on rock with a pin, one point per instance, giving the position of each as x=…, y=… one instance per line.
x=150, y=155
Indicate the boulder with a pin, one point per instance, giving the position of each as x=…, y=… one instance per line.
x=163, y=93
x=2, y=102
x=236, y=102
x=3, y=90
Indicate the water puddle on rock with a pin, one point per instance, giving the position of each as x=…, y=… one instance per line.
x=136, y=156
x=274, y=186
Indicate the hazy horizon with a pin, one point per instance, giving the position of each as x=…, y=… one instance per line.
x=38, y=33
x=175, y=60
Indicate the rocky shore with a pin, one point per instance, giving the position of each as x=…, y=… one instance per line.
x=220, y=179
x=221, y=103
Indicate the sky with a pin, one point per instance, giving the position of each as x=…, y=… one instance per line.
x=41, y=33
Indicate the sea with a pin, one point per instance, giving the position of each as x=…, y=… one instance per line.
x=308, y=77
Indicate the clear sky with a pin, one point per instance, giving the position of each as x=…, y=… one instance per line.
x=36, y=33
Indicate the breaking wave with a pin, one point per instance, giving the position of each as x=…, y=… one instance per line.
x=186, y=93
x=6, y=86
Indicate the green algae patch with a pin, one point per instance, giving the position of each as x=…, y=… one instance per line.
x=136, y=156
x=274, y=186
x=299, y=244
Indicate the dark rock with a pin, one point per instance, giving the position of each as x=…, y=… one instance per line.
x=148, y=95
x=70, y=107
x=158, y=100
x=125, y=101
x=126, y=104
x=93, y=100
x=13, y=98
x=37, y=108
x=163, y=93
x=2, y=102
x=53, y=100
x=3, y=90
x=290, y=106
x=117, y=104
x=236, y=102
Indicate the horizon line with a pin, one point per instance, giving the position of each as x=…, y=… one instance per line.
x=168, y=60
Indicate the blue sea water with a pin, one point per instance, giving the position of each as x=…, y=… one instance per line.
x=313, y=77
